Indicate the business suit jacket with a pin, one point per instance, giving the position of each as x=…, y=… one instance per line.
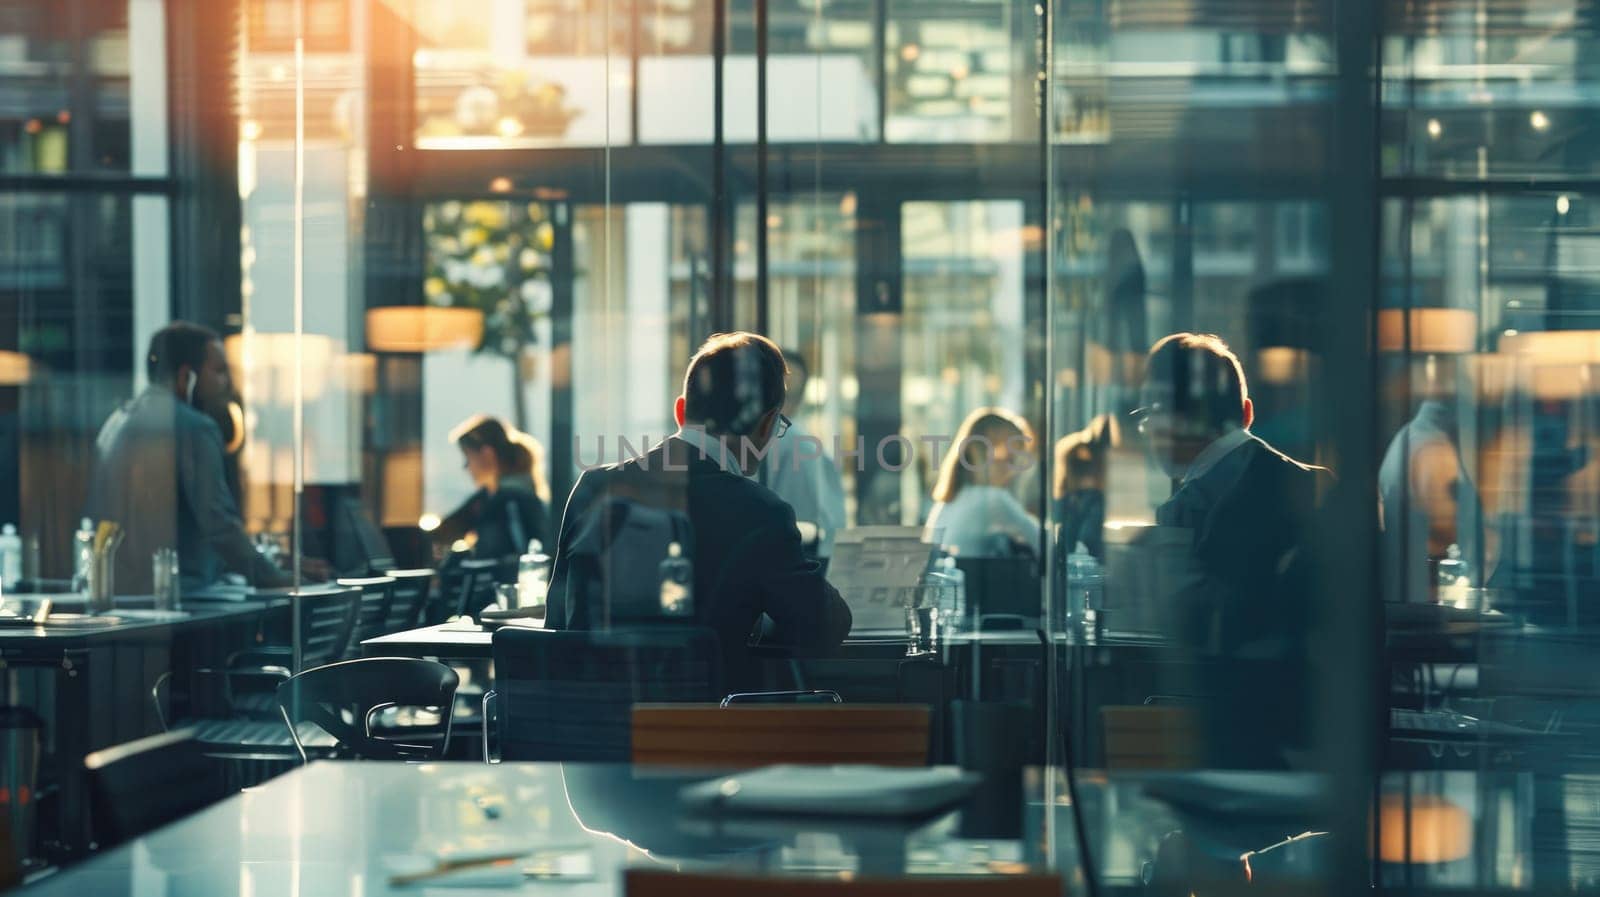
x=746, y=554
x=1251, y=515
x=504, y=520
x=159, y=474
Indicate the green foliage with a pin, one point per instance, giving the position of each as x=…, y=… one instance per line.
x=493, y=256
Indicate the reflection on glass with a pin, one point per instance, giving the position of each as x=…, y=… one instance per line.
x=962, y=331
x=519, y=73
x=958, y=74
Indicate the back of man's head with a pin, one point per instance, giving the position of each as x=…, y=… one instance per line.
x=733, y=381
x=1199, y=378
x=177, y=345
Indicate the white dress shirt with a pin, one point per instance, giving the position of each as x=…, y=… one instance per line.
x=982, y=521
x=809, y=481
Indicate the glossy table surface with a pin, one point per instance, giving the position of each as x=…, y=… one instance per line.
x=131, y=616
x=466, y=639
x=347, y=828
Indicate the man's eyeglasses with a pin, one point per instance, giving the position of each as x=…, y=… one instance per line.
x=1141, y=415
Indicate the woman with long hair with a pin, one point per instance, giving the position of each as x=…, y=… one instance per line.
x=508, y=510
x=975, y=512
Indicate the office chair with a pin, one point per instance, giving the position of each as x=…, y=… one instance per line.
x=643, y=882
x=324, y=619
x=478, y=576
x=1152, y=736
x=342, y=698
x=142, y=785
x=410, y=595
x=742, y=736
x=250, y=748
x=569, y=695
x=372, y=612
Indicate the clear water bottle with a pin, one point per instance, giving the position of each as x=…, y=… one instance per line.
x=1454, y=578
x=677, y=583
x=533, y=576
x=82, y=554
x=955, y=586
x=10, y=558
x=1086, y=587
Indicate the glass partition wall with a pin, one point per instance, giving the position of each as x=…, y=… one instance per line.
x=1371, y=585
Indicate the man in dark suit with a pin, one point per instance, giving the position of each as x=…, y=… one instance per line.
x=697, y=488
x=159, y=469
x=1249, y=508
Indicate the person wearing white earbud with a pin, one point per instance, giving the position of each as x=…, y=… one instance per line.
x=159, y=470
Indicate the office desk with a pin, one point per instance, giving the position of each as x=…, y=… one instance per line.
x=340, y=828
x=91, y=686
x=335, y=828
x=460, y=640
x=466, y=640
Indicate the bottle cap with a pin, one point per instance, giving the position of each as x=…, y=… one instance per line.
x=674, y=550
x=86, y=524
x=10, y=529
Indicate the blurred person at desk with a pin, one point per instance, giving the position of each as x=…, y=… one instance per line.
x=695, y=490
x=800, y=472
x=159, y=472
x=975, y=512
x=1247, y=509
x=508, y=510
x=1079, y=486
x=1428, y=504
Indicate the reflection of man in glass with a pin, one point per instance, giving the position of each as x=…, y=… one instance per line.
x=800, y=472
x=1247, y=507
x=159, y=469
x=1428, y=504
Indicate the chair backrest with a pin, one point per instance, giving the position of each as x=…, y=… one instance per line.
x=569, y=695
x=410, y=595
x=1151, y=737
x=643, y=882
x=340, y=698
x=145, y=784
x=743, y=736
x=476, y=589
x=372, y=613
x=324, y=619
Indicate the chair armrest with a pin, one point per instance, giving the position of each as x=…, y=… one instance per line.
x=227, y=678
x=814, y=696
x=277, y=657
x=488, y=701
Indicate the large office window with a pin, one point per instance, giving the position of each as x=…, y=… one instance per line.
x=1357, y=508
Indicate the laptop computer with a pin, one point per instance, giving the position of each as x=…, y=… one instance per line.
x=876, y=569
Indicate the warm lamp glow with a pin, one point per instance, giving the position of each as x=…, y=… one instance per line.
x=15, y=368
x=1440, y=831
x=358, y=371
x=1562, y=382
x=402, y=488
x=423, y=328
x=266, y=362
x=1282, y=365
x=1433, y=330
x=1575, y=346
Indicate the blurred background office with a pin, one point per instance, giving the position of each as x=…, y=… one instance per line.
x=399, y=214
